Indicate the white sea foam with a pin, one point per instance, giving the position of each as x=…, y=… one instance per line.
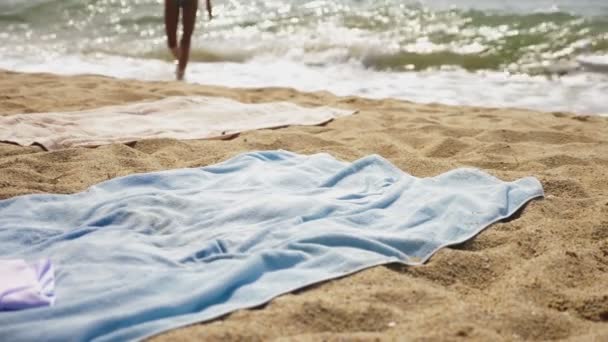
x=579, y=93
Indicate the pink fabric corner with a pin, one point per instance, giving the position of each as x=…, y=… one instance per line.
x=24, y=286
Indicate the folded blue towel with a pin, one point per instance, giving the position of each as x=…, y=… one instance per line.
x=145, y=253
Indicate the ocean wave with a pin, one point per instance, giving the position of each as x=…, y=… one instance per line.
x=20, y=8
x=380, y=35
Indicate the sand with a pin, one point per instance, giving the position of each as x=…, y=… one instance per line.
x=540, y=276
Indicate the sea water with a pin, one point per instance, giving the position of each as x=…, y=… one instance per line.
x=517, y=53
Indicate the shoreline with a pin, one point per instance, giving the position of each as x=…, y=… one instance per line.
x=538, y=276
x=179, y=88
x=573, y=93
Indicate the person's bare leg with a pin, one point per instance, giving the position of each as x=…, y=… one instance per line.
x=171, y=21
x=188, y=22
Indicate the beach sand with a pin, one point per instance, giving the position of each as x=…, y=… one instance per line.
x=541, y=276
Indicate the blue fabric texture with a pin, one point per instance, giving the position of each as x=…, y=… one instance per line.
x=141, y=254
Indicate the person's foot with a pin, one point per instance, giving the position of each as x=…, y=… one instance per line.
x=179, y=73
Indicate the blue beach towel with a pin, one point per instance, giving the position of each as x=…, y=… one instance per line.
x=138, y=255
